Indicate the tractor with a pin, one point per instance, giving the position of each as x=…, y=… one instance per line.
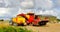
x=28, y=19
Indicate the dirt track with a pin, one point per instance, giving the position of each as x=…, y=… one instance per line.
x=48, y=28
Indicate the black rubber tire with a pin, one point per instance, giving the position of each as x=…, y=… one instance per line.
x=43, y=23
x=20, y=24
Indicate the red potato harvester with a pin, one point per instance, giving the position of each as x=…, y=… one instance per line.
x=29, y=18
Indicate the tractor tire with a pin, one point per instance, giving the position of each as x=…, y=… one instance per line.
x=42, y=23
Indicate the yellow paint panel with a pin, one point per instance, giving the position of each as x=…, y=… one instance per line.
x=20, y=19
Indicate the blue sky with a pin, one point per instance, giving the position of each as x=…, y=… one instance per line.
x=10, y=8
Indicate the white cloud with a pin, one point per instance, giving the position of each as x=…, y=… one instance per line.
x=10, y=3
x=0, y=1
x=44, y=4
x=54, y=12
x=8, y=12
x=13, y=11
x=16, y=4
x=57, y=12
x=27, y=4
x=3, y=11
x=57, y=3
x=47, y=12
x=24, y=11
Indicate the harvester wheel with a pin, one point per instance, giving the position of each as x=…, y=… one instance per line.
x=12, y=23
x=42, y=23
x=20, y=24
x=29, y=24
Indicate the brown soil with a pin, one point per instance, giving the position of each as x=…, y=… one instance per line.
x=48, y=28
